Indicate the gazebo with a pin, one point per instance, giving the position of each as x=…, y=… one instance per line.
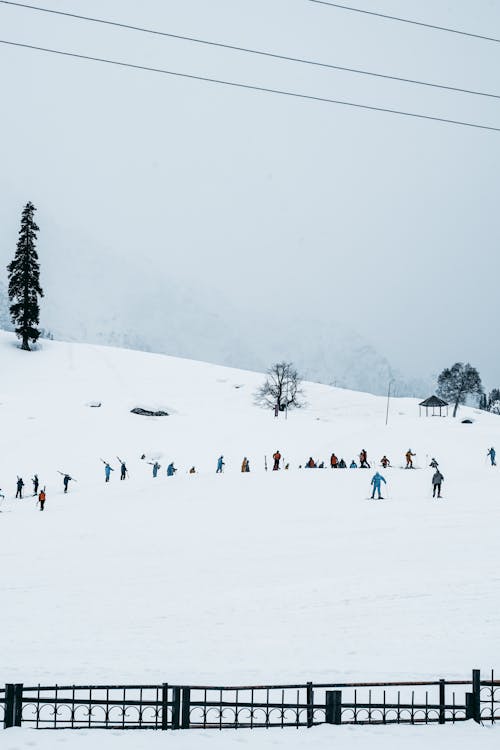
x=433, y=403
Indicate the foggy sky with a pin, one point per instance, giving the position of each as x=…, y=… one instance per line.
x=292, y=213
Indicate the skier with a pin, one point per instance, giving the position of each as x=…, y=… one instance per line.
x=35, y=485
x=107, y=471
x=156, y=468
x=220, y=465
x=437, y=481
x=376, y=482
x=123, y=470
x=41, y=498
x=171, y=470
x=409, y=462
x=277, y=459
x=66, y=480
x=492, y=454
x=433, y=464
x=311, y=464
x=385, y=461
x=192, y=470
x=342, y=464
x=353, y=464
x=19, y=491
x=363, y=460
x=321, y=465
x=333, y=461
x=244, y=465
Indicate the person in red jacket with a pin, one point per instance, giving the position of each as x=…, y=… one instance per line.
x=277, y=459
x=334, y=461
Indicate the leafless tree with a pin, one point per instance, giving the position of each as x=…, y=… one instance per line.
x=282, y=388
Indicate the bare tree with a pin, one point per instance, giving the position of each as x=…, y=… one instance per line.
x=281, y=388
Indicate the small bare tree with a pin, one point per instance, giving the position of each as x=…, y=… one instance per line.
x=281, y=388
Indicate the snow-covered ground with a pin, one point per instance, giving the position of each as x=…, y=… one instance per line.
x=261, y=577
x=463, y=737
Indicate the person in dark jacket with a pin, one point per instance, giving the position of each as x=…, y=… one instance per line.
x=433, y=464
x=35, y=485
x=123, y=470
x=437, y=481
x=66, y=480
x=19, y=490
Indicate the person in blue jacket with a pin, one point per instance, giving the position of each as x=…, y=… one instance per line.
x=220, y=465
x=107, y=471
x=492, y=454
x=377, y=480
x=171, y=470
x=353, y=464
x=156, y=468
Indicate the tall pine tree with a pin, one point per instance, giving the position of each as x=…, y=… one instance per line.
x=24, y=281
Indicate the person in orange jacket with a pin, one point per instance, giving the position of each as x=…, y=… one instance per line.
x=41, y=498
x=277, y=459
x=409, y=462
x=333, y=461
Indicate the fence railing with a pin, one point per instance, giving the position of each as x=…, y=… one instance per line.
x=207, y=707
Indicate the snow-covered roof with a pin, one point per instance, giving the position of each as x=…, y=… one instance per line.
x=433, y=401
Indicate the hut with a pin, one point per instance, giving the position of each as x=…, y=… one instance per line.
x=433, y=403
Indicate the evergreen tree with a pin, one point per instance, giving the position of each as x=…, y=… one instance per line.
x=493, y=397
x=457, y=382
x=24, y=281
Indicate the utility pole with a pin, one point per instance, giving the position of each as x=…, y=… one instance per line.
x=388, y=399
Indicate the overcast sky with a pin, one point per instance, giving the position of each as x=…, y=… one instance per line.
x=293, y=211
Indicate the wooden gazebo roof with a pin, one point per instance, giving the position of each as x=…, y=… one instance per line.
x=434, y=403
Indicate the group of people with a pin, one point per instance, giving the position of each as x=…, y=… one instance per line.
x=278, y=463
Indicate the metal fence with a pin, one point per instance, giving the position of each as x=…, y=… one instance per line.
x=207, y=707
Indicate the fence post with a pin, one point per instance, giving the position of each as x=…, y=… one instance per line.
x=333, y=711
x=164, y=706
x=442, y=702
x=176, y=708
x=8, y=719
x=13, y=705
x=186, y=708
x=476, y=692
x=310, y=704
x=469, y=706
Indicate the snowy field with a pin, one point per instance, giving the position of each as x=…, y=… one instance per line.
x=239, y=579
x=463, y=737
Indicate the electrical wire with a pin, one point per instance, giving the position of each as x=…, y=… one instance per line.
x=249, y=87
x=247, y=50
x=406, y=20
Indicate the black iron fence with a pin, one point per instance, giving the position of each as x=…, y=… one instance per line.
x=201, y=707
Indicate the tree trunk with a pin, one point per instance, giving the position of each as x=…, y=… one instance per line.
x=456, y=406
x=26, y=345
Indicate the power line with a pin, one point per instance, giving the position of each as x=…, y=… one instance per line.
x=406, y=20
x=262, y=53
x=248, y=86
